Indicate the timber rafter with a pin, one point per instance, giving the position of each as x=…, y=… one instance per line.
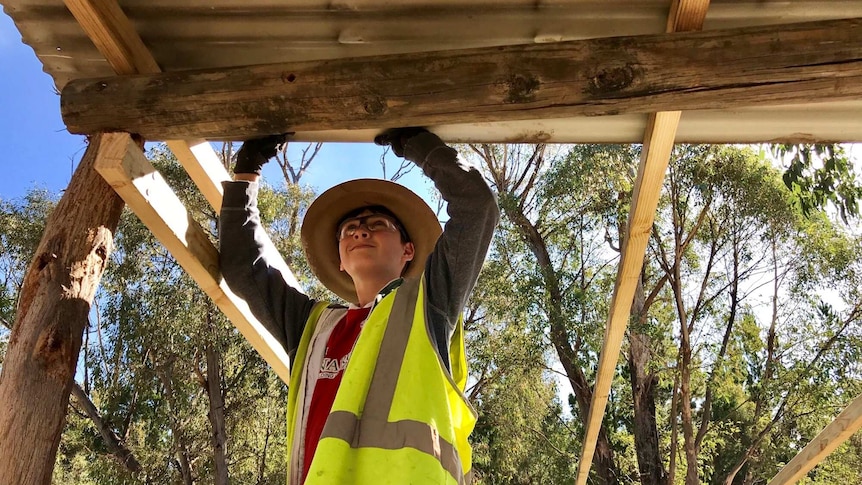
x=685, y=15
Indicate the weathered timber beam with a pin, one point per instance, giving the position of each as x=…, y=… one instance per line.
x=685, y=16
x=128, y=171
x=795, y=63
x=838, y=431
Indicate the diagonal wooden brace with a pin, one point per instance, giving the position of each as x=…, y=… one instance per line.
x=123, y=165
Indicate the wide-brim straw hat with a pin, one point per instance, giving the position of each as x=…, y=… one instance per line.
x=320, y=223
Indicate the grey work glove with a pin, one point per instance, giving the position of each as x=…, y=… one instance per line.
x=413, y=143
x=254, y=154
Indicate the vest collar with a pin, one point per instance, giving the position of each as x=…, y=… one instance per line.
x=381, y=295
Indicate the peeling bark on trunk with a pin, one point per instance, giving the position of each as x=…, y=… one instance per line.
x=122, y=454
x=644, y=386
x=52, y=313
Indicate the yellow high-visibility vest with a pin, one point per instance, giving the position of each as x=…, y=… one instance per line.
x=398, y=417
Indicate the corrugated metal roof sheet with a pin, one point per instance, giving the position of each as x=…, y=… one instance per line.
x=195, y=34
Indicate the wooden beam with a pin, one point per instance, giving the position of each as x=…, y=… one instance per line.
x=114, y=35
x=796, y=63
x=124, y=166
x=203, y=166
x=685, y=15
x=653, y=164
x=838, y=431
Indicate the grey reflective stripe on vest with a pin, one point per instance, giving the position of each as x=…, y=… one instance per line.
x=373, y=430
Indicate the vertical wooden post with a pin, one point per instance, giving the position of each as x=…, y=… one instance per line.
x=49, y=324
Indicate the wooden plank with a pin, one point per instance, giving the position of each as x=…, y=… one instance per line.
x=776, y=64
x=203, y=166
x=114, y=35
x=838, y=431
x=124, y=166
x=651, y=170
x=685, y=15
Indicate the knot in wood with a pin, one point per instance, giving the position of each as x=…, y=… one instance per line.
x=522, y=89
x=611, y=80
x=375, y=106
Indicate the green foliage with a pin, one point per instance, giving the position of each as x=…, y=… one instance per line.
x=821, y=174
x=522, y=436
x=21, y=225
x=728, y=238
x=772, y=299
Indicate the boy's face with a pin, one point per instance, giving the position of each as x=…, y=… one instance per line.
x=372, y=253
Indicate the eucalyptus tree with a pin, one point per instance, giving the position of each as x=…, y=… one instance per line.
x=706, y=364
x=563, y=262
x=522, y=436
x=728, y=239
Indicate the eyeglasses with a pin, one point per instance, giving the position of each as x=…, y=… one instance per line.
x=373, y=223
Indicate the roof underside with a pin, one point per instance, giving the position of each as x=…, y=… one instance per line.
x=198, y=34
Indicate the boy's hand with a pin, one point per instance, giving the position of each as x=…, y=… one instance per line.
x=254, y=154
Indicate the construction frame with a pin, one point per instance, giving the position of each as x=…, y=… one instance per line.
x=541, y=92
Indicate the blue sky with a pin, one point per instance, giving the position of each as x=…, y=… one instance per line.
x=38, y=151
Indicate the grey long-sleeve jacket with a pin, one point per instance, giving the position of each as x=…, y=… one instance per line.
x=451, y=270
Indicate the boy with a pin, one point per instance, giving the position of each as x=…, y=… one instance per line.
x=376, y=388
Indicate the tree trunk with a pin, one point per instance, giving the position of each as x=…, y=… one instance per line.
x=52, y=313
x=261, y=468
x=644, y=386
x=112, y=442
x=184, y=465
x=674, y=431
x=216, y=414
x=164, y=372
x=691, y=476
x=603, y=458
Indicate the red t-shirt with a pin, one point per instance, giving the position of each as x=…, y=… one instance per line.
x=335, y=358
